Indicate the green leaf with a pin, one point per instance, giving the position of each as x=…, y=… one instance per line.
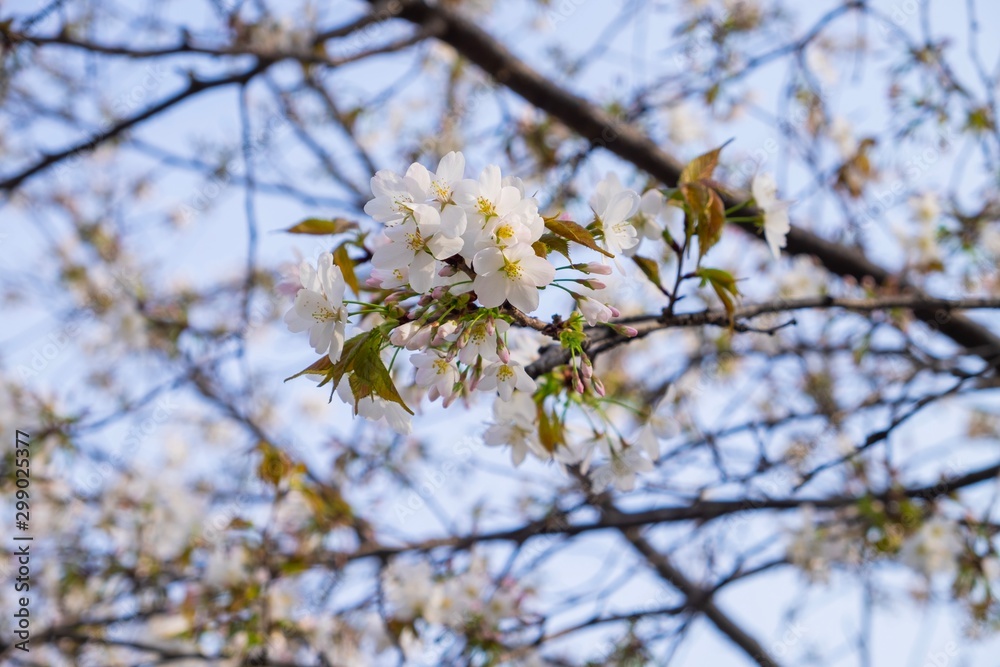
x=648, y=267
x=329, y=508
x=274, y=465
x=710, y=224
x=370, y=376
x=352, y=348
x=550, y=430
x=572, y=340
x=556, y=244
x=322, y=226
x=321, y=366
x=696, y=199
x=346, y=265
x=574, y=232
x=701, y=167
x=724, y=285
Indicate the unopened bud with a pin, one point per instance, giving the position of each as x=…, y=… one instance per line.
x=476, y=375
x=456, y=391
x=598, y=386
x=598, y=268
x=624, y=330
x=447, y=271
x=502, y=351
x=420, y=339
x=439, y=292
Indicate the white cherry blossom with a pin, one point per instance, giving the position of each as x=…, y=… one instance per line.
x=395, y=196
x=435, y=371
x=416, y=245
x=620, y=472
x=482, y=342
x=648, y=221
x=613, y=205
x=512, y=275
x=440, y=187
x=776, y=222
x=319, y=307
x=505, y=378
x=934, y=548
x=515, y=425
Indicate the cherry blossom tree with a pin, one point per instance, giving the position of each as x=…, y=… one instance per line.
x=460, y=332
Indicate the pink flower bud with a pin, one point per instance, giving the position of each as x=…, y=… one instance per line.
x=502, y=351
x=598, y=268
x=476, y=375
x=598, y=386
x=614, y=311
x=420, y=339
x=439, y=292
x=393, y=298
x=447, y=270
x=444, y=332
x=373, y=282
x=491, y=327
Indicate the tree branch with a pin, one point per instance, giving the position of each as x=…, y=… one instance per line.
x=602, y=129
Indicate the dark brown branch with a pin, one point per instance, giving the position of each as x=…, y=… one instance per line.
x=602, y=339
x=602, y=129
x=701, y=511
x=698, y=598
x=195, y=87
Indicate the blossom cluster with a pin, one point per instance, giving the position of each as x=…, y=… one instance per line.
x=456, y=602
x=457, y=270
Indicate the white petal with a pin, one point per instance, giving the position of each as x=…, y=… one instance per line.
x=451, y=168
x=522, y=296
x=442, y=247
x=491, y=290
x=490, y=182
x=488, y=261
x=453, y=221
x=422, y=272
x=623, y=205
x=776, y=228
